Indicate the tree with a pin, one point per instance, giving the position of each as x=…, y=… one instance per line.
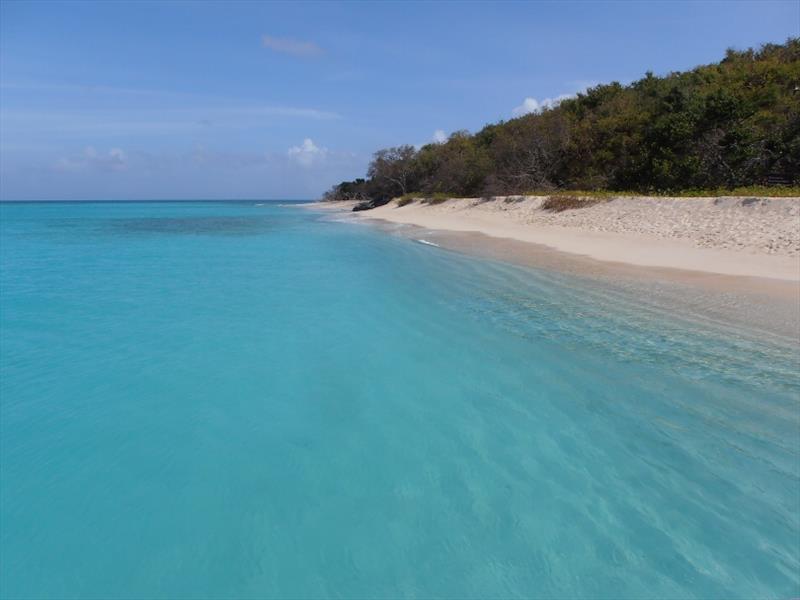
x=733, y=123
x=394, y=168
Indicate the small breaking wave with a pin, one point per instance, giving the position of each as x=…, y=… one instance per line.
x=427, y=243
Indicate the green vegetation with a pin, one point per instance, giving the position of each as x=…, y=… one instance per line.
x=561, y=202
x=436, y=198
x=775, y=191
x=727, y=128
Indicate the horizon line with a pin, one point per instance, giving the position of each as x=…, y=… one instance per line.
x=52, y=201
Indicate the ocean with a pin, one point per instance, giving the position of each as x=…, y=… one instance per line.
x=252, y=400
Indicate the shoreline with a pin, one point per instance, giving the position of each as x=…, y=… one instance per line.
x=586, y=237
x=742, y=297
x=495, y=220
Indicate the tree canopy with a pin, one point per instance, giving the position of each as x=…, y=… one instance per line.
x=729, y=124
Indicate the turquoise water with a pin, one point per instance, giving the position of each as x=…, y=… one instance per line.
x=208, y=400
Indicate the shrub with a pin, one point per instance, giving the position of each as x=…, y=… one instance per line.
x=437, y=198
x=562, y=203
x=403, y=200
x=761, y=191
x=726, y=128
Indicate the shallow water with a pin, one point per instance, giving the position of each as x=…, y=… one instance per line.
x=231, y=401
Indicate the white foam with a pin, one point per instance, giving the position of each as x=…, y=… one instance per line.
x=427, y=243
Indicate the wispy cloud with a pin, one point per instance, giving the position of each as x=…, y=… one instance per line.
x=307, y=153
x=291, y=46
x=61, y=123
x=106, y=171
x=439, y=136
x=82, y=88
x=290, y=111
x=202, y=108
x=113, y=160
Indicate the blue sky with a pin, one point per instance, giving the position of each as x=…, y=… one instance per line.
x=166, y=100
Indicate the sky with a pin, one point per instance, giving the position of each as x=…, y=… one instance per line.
x=257, y=100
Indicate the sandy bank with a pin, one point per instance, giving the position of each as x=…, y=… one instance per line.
x=750, y=237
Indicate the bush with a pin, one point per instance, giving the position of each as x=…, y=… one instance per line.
x=731, y=126
x=763, y=191
x=437, y=198
x=562, y=203
x=403, y=200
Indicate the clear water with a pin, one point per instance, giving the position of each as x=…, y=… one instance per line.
x=207, y=400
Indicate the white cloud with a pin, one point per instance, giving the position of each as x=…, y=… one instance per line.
x=117, y=158
x=114, y=160
x=439, y=136
x=290, y=46
x=532, y=105
x=307, y=153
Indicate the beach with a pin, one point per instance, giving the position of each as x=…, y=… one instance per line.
x=750, y=237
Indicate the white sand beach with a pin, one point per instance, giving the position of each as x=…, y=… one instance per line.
x=750, y=237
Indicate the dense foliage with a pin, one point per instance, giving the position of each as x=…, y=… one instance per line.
x=730, y=124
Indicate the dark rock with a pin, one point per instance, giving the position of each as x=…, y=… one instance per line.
x=368, y=204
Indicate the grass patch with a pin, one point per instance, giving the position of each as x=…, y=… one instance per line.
x=604, y=194
x=560, y=200
x=561, y=203
x=436, y=198
x=761, y=191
